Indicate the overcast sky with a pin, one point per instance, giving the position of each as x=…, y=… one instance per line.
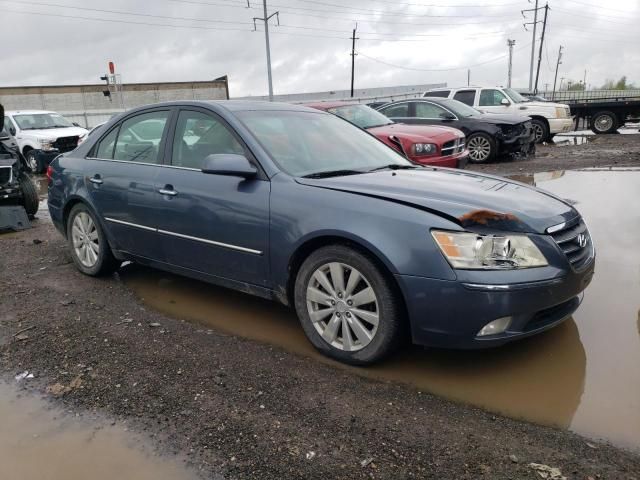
x=56, y=42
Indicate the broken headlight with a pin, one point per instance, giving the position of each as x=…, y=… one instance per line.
x=466, y=250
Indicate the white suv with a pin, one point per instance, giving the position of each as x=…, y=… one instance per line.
x=547, y=118
x=42, y=135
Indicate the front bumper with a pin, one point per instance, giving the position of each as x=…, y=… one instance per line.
x=457, y=160
x=560, y=125
x=522, y=145
x=449, y=314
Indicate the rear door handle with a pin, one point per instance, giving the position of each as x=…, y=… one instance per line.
x=168, y=190
x=96, y=179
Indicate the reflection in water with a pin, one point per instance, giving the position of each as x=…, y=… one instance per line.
x=39, y=443
x=583, y=375
x=540, y=379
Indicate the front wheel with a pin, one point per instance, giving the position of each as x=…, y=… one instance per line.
x=540, y=130
x=34, y=164
x=30, y=199
x=89, y=247
x=482, y=148
x=347, y=306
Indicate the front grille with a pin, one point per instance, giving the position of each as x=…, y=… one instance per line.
x=66, y=144
x=574, y=240
x=452, y=146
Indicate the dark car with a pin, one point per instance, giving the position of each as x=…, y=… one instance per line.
x=488, y=135
x=299, y=206
x=423, y=144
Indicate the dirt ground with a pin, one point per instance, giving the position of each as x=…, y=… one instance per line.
x=591, y=152
x=239, y=409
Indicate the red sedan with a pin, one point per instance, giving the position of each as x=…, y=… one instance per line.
x=427, y=145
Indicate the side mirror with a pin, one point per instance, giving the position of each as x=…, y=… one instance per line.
x=447, y=116
x=229, y=164
x=505, y=102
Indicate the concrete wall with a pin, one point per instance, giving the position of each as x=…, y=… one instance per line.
x=86, y=104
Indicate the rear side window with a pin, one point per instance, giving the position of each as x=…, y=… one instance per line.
x=465, y=96
x=140, y=136
x=105, y=147
x=438, y=93
x=490, y=97
x=199, y=135
x=399, y=110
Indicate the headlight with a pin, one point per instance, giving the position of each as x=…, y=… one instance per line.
x=467, y=250
x=46, y=144
x=561, y=112
x=424, y=148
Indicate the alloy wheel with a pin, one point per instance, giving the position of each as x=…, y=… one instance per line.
x=84, y=236
x=342, y=306
x=538, y=132
x=479, y=149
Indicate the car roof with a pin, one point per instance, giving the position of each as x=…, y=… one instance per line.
x=328, y=105
x=229, y=105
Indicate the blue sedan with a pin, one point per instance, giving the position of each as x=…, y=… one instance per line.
x=299, y=206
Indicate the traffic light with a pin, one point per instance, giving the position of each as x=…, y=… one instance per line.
x=107, y=92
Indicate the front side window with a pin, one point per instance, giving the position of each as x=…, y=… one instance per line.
x=465, y=96
x=399, y=110
x=41, y=121
x=307, y=143
x=139, y=138
x=199, y=135
x=429, y=110
x=490, y=97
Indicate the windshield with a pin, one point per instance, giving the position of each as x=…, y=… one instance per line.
x=515, y=96
x=361, y=115
x=307, y=143
x=38, y=121
x=459, y=108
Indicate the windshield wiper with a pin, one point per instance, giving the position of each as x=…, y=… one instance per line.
x=333, y=173
x=395, y=166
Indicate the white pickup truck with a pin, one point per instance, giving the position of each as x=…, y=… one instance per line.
x=42, y=136
x=548, y=118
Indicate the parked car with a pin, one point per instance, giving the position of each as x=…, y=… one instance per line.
x=548, y=118
x=42, y=135
x=16, y=188
x=293, y=204
x=487, y=135
x=438, y=146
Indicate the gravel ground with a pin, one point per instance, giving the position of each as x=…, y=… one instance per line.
x=597, y=151
x=240, y=409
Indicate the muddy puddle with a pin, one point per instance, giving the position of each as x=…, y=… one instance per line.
x=583, y=375
x=566, y=140
x=38, y=442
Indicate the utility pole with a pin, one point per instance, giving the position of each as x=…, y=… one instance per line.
x=353, y=56
x=544, y=27
x=584, y=80
x=510, y=43
x=556, y=76
x=533, y=43
x=468, y=77
x=266, y=19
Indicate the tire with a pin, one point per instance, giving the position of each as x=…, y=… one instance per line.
x=34, y=163
x=30, y=200
x=541, y=130
x=482, y=148
x=604, y=122
x=81, y=235
x=365, y=341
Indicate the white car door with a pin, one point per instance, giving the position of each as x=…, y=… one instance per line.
x=492, y=100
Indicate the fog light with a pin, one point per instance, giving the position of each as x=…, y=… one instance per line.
x=495, y=327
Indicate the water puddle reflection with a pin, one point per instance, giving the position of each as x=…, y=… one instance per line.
x=583, y=375
x=38, y=442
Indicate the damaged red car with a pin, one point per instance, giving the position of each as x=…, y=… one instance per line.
x=426, y=145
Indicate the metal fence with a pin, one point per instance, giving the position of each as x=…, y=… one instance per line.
x=589, y=95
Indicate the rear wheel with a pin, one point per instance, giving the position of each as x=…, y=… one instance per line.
x=604, y=122
x=347, y=306
x=482, y=148
x=30, y=199
x=89, y=247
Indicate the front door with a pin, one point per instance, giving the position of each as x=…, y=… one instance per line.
x=491, y=101
x=214, y=224
x=121, y=174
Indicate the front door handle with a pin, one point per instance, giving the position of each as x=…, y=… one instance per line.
x=168, y=190
x=96, y=179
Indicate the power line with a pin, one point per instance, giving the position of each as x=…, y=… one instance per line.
x=426, y=5
x=337, y=5
x=585, y=4
x=597, y=17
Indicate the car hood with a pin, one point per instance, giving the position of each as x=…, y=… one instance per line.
x=474, y=201
x=417, y=133
x=54, y=133
x=502, y=119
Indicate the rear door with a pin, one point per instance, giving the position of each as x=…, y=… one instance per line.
x=466, y=96
x=120, y=178
x=398, y=112
x=214, y=224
